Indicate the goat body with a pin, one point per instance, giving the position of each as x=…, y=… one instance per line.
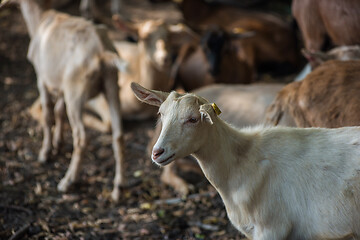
x=327, y=97
x=213, y=59
x=276, y=183
x=304, y=103
x=73, y=65
x=321, y=18
x=274, y=40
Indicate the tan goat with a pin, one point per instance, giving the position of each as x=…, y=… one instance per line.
x=327, y=97
x=276, y=183
x=148, y=64
x=72, y=64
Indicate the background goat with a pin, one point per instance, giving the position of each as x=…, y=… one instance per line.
x=327, y=18
x=212, y=59
x=73, y=64
x=327, y=97
x=148, y=63
x=274, y=41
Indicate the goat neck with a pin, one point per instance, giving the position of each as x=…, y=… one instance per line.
x=223, y=151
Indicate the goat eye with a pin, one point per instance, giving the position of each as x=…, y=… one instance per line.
x=192, y=120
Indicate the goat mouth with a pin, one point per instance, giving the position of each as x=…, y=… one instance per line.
x=165, y=161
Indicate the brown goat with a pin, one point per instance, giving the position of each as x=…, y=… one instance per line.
x=213, y=59
x=327, y=97
x=274, y=40
x=339, y=20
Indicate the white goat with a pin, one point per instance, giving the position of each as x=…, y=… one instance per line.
x=73, y=64
x=276, y=183
x=249, y=103
x=248, y=108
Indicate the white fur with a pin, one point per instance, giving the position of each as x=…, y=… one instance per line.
x=148, y=65
x=73, y=64
x=145, y=62
x=276, y=183
x=241, y=104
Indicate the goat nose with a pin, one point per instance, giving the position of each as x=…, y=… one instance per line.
x=157, y=152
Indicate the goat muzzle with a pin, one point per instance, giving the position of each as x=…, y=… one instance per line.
x=157, y=153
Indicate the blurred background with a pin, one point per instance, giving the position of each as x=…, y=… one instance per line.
x=209, y=43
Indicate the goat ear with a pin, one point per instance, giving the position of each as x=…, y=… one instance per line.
x=152, y=97
x=206, y=111
x=315, y=58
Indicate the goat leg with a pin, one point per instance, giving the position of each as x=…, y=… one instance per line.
x=47, y=122
x=169, y=177
x=100, y=107
x=112, y=96
x=74, y=106
x=59, y=111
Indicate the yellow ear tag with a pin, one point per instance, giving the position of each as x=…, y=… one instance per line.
x=216, y=109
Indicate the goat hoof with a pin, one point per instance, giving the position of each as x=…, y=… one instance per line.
x=43, y=157
x=64, y=185
x=57, y=144
x=182, y=190
x=55, y=151
x=115, y=194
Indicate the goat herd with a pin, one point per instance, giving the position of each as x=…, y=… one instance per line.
x=300, y=180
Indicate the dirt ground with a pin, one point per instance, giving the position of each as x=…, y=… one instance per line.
x=32, y=208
